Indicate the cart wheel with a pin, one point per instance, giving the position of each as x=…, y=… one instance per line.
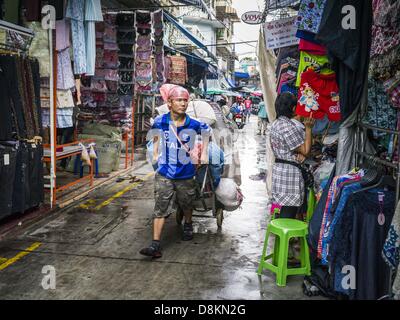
x=179, y=216
x=220, y=217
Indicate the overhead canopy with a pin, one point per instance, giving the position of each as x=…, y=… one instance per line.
x=271, y=5
x=224, y=92
x=188, y=34
x=190, y=57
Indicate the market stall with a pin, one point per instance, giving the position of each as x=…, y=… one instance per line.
x=348, y=80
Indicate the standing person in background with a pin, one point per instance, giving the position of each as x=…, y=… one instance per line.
x=247, y=109
x=262, y=118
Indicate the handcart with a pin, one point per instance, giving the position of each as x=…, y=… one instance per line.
x=205, y=198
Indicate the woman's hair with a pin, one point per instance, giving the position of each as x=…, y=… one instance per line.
x=284, y=104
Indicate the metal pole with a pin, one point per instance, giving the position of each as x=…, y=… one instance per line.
x=52, y=123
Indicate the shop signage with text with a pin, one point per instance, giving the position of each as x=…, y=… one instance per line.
x=252, y=17
x=281, y=33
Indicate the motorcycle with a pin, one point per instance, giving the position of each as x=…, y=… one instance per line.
x=238, y=118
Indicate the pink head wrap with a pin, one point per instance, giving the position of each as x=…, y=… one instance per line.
x=172, y=91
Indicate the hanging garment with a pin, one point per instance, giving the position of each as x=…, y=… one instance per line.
x=385, y=36
x=310, y=15
x=65, y=99
x=312, y=60
x=387, y=13
x=284, y=53
x=64, y=117
x=358, y=241
x=65, y=76
x=321, y=127
x=143, y=72
x=178, y=70
x=395, y=97
x=35, y=89
x=334, y=216
x=379, y=111
x=75, y=12
x=301, y=34
x=318, y=96
x=12, y=85
x=334, y=190
x=21, y=187
x=35, y=176
x=350, y=62
x=310, y=47
x=93, y=14
x=391, y=250
x=63, y=31
x=28, y=91
x=39, y=47
x=7, y=123
x=8, y=160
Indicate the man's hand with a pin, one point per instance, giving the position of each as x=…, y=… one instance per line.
x=309, y=122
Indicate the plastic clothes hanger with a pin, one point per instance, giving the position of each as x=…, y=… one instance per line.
x=385, y=181
x=374, y=178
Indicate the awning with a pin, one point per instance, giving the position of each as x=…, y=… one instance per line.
x=231, y=82
x=191, y=59
x=188, y=34
x=242, y=75
x=212, y=72
x=197, y=3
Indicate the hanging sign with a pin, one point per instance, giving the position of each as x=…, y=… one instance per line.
x=281, y=33
x=252, y=17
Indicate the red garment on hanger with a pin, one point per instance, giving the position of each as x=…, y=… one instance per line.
x=312, y=47
x=318, y=95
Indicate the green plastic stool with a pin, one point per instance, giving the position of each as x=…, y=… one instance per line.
x=284, y=230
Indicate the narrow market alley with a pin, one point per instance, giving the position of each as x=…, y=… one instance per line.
x=94, y=246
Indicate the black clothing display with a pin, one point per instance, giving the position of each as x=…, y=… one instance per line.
x=8, y=157
x=21, y=170
x=349, y=49
x=358, y=241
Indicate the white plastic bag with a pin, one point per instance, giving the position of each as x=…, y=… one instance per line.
x=229, y=194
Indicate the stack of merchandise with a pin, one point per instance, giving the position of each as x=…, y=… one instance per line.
x=99, y=92
x=126, y=38
x=143, y=52
x=286, y=70
x=158, y=33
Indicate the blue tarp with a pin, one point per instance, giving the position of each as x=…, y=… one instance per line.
x=242, y=75
x=230, y=82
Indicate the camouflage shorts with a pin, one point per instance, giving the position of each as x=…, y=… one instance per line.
x=170, y=193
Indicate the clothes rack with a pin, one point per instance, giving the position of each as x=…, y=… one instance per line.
x=360, y=153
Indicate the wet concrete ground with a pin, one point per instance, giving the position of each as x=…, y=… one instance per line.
x=94, y=247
